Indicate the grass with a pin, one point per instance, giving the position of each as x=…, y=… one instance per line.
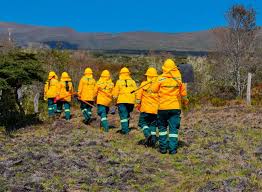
x=216, y=151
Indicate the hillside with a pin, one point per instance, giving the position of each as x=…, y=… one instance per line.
x=220, y=150
x=26, y=35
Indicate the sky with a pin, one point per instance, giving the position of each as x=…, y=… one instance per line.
x=123, y=15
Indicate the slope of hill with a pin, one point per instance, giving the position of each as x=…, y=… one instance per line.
x=213, y=155
x=25, y=34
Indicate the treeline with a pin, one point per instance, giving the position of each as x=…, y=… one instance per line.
x=219, y=76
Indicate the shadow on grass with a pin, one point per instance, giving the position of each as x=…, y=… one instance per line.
x=18, y=121
x=181, y=144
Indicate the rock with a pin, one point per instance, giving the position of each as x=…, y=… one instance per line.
x=92, y=143
x=210, y=186
x=258, y=151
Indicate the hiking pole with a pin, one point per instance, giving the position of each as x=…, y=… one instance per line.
x=141, y=87
x=86, y=102
x=58, y=99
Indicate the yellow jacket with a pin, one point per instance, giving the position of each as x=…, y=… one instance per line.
x=123, y=88
x=103, y=90
x=170, y=89
x=65, y=89
x=147, y=99
x=51, y=88
x=86, y=88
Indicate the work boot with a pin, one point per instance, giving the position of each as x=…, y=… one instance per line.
x=148, y=141
x=163, y=152
x=173, y=152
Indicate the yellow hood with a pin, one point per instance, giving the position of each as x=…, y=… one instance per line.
x=124, y=76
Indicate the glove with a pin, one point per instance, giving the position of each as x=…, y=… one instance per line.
x=138, y=106
x=185, y=102
x=56, y=99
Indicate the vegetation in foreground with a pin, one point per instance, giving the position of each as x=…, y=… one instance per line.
x=220, y=150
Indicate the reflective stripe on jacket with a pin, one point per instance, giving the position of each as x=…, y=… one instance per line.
x=103, y=91
x=170, y=89
x=123, y=89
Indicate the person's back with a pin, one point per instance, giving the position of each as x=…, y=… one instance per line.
x=124, y=87
x=65, y=95
x=147, y=104
x=51, y=86
x=172, y=93
x=86, y=94
x=123, y=92
x=104, y=88
x=171, y=90
x=51, y=89
x=86, y=88
x=66, y=87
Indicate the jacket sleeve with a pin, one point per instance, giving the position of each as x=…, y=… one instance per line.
x=58, y=88
x=45, y=90
x=116, y=90
x=139, y=93
x=96, y=89
x=80, y=87
x=183, y=93
x=71, y=88
x=156, y=86
x=135, y=86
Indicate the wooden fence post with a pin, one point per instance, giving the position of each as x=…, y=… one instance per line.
x=249, y=88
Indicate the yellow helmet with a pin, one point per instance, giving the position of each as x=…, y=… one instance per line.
x=169, y=65
x=88, y=71
x=65, y=77
x=51, y=75
x=105, y=73
x=151, y=72
x=124, y=70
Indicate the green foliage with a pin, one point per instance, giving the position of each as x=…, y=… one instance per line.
x=17, y=68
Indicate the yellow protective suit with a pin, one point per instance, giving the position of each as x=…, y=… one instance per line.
x=170, y=88
x=86, y=87
x=123, y=88
x=146, y=99
x=51, y=86
x=65, y=87
x=104, y=88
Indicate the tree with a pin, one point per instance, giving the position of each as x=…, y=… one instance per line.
x=17, y=68
x=236, y=45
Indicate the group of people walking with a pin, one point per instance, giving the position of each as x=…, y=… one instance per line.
x=159, y=99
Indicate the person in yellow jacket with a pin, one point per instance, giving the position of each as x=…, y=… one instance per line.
x=50, y=92
x=125, y=96
x=147, y=104
x=86, y=94
x=65, y=95
x=172, y=94
x=103, y=90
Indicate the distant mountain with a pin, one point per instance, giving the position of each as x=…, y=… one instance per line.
x=28, y=35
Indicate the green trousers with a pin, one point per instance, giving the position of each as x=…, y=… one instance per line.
x=102, y=111
x=51, y=107
x=86, y=110
x=124, y=110
x=66, y=106
x=168, y=139
x=148, y=123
